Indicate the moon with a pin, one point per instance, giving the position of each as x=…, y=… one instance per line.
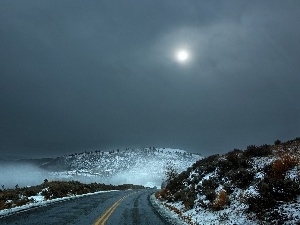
x=182, y=56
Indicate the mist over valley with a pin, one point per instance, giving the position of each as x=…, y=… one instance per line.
x=144, y=166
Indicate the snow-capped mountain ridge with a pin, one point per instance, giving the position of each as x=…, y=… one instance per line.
x=138, y=166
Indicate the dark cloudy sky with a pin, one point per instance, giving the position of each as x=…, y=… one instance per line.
x=87, y=75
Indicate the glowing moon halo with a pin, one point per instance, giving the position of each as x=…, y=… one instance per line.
x=182, y=55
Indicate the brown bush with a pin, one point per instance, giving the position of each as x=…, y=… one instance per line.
x=157, y=195
x=280, y=166
x=164, y=193
x=2, y=205
x=221, y=201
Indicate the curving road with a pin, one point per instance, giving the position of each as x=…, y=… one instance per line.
x=130, y=207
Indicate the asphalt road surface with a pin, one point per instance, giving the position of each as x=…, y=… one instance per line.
x=130, y=207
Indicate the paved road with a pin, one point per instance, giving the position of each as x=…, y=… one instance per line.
x=134, y=209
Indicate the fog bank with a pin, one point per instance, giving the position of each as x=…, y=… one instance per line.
x=12, y=174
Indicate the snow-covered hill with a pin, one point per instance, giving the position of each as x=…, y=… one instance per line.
x=260, y=185
x=136, y=166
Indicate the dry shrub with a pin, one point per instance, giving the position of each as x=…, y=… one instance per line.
x=157, y=195
x=187, y=205
x=2, y=205
x=220, y=201
x=283, y=164
x=162, y=194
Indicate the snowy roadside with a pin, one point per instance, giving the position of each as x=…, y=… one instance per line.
x=166, y=213
x=262, y=189
x=40, y=202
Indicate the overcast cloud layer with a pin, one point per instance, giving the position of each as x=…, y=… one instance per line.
x=88, y=75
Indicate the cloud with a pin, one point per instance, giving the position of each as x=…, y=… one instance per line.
x=102, y=75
